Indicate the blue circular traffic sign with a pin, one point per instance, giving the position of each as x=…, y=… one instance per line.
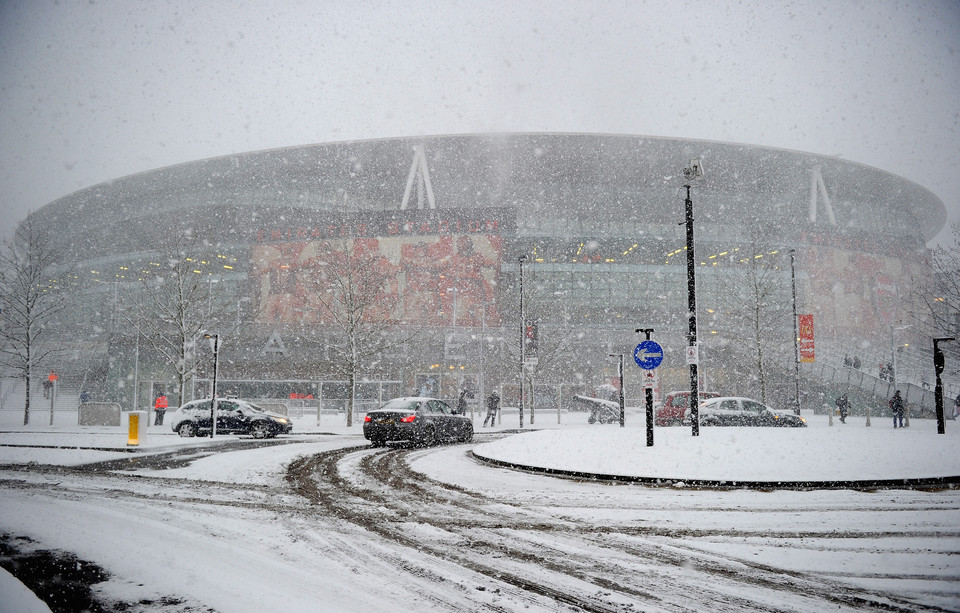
x=648, y=355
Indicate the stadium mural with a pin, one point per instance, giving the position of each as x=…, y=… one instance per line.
x=435, y=271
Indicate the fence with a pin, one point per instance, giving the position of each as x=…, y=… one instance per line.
x=920, y=399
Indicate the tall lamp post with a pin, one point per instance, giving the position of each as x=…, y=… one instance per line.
x=796, y=332
x=523, y=335
x=938, y=363
x=620, y=377
x=215, y=345
x=693, y=171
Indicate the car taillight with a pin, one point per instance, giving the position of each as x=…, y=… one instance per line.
x=407, y=419
x=367, y=418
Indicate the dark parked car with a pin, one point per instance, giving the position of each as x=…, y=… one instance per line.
x=233, y=417
x=675, y=406
x=730, y=411
x=416, y=420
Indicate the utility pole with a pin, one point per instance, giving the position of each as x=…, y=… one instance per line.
x=796, y=333
x=523, y=335
x=620, y=375
x=215, y=345
x=938, y=363
x=693, y=171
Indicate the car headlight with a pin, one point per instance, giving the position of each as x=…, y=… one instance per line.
x=280, y=420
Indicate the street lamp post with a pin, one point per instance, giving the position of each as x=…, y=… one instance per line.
x=215, y=345
x=796, y=332
x=938, y=363
x=692, y=172
x=620, y=376
x=480, y=381
x=523, y=335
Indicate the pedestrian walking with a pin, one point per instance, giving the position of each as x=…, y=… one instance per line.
x=493, y=405
x=896, y=405
x=843, y=405
x=160, y=407
x=462, y=403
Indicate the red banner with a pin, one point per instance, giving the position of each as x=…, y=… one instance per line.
x=805, y=327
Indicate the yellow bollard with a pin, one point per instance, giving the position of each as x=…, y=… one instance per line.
x=133, y=435
x=137, y=430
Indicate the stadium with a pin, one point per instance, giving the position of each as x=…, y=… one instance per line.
x=591, y=226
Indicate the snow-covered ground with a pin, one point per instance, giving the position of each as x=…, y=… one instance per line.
x=161, y=539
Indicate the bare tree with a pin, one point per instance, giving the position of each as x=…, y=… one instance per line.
x=754, y=311
x=31, y=295
x=939, y=295
x=174, y=304
x=547, y=346
x=353, y=289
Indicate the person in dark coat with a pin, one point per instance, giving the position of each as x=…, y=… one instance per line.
x=462, y=403
x=493, y=405
x=896, y=405
x=843, y=405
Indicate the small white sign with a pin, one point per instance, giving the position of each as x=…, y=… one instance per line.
x=649, y=379
x=693, y=355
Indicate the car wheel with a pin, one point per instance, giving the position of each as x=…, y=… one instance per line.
x=187, y=429
x=260, y=429
x=467, y=434
x=428, y=438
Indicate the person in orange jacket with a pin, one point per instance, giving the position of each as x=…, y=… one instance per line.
x=160, y=406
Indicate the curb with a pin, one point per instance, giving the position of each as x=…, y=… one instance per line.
x=922, y=483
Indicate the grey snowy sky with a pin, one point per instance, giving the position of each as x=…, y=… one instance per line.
x=95, y=90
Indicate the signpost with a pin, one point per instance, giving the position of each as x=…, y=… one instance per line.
x=648, y=355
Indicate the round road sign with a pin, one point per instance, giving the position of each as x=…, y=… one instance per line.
x=648, y=355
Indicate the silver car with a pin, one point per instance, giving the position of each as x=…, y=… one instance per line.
x=737, y=411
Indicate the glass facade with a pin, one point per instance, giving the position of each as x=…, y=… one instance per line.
x=443, y=221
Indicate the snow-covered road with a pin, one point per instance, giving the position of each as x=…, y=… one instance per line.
x=331, y=524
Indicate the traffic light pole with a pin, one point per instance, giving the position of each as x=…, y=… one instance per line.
x=938, y=363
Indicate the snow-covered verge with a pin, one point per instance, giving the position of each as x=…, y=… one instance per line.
x=843, y=452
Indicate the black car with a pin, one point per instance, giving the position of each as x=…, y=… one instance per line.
x=733, y=411
x=233, y=417
x=416, y=420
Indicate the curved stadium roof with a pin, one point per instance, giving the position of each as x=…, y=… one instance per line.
x=631, y=178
